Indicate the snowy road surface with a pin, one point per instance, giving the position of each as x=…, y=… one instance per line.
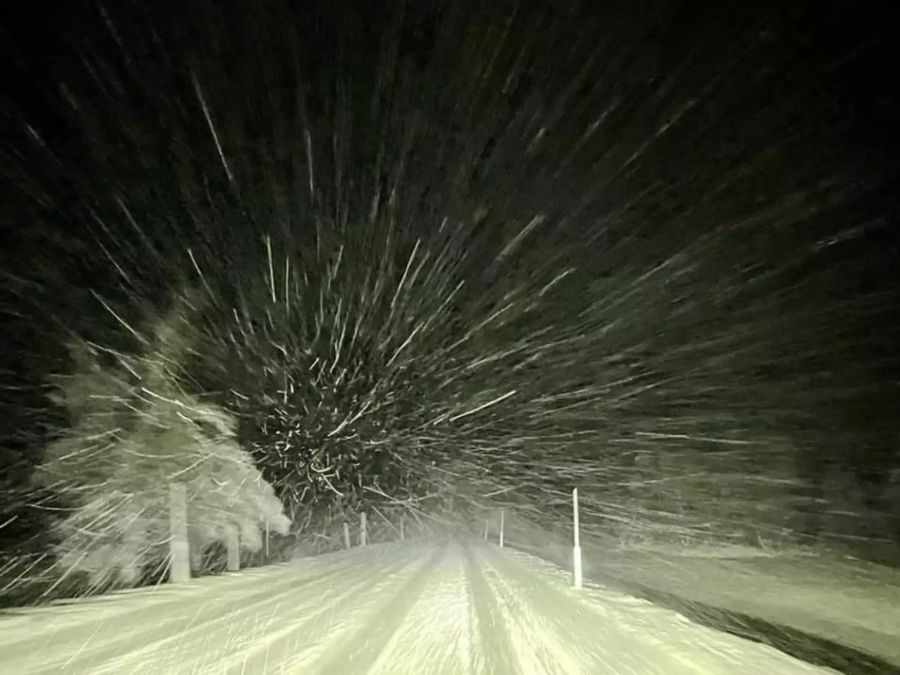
x=386, y=609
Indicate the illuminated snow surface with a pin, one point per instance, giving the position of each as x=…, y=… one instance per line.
x=392, y=608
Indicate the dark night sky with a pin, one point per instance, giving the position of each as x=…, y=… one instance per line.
x=721, y=185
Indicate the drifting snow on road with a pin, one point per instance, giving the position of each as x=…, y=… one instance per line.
x=418, y=608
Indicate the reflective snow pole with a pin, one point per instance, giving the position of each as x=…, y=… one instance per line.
x=179, y=548
x=501, y=528
x=402, y=529
x=362, y=529
x=347, y=543
x=233, y=547
x=487, y=524
x=267, y=539
x=576, y=548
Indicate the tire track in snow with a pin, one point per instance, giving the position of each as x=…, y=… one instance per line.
x=568, y=638
x=211, y=646
x=66, y=621
x=623, y=634
x=294, y=647
x=541, y=647
x=358, y=652
x=590, y=645
x=166, y=624
x=493, y=654
x=435, y=636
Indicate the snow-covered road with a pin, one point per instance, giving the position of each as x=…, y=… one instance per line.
x=412, y=607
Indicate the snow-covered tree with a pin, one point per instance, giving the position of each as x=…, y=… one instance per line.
x=133, y=432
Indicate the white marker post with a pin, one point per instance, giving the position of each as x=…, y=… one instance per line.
x=402, y=529
x=135, y=536
x=233, y=546
x=487, y=524
x=362, y=529
x=267, y=540
x=501, y=527
x=347, y=543
x=576, y=548
x=179, y=547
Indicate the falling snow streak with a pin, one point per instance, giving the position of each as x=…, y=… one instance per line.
x=437, y=258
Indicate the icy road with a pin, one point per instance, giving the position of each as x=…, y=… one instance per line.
x=388, y=609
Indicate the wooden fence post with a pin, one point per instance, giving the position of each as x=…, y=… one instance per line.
x=179, y=547
x=233, y=545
